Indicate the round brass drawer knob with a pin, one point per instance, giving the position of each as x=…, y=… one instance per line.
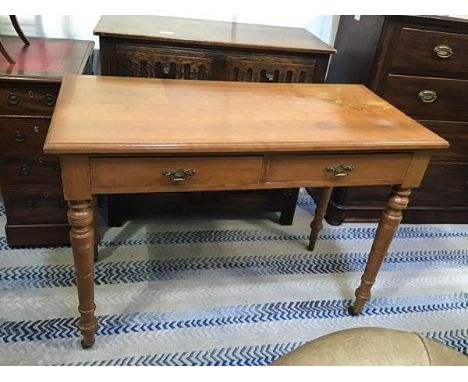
x=427, y=96
x=13, y=99
x=443, y=51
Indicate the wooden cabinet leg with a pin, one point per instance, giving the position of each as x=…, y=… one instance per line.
x=81, y=219
x=316, y=224
x=391, y=218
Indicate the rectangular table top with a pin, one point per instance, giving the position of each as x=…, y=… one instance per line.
x=137, y=115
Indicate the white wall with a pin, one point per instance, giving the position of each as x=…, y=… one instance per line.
x=82, y=26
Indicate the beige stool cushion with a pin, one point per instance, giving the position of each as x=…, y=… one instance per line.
x=373, y=347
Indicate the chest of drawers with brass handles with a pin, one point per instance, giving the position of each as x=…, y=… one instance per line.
x=420, y=65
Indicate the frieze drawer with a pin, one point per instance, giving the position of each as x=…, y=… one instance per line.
x=349, y=169
x=174, y=174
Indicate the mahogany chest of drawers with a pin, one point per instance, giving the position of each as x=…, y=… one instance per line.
x=188, y=49
x=31, y=180
x=420, y=65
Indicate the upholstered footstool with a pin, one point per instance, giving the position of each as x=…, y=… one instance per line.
x=373, y=346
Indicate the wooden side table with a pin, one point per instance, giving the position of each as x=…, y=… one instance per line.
x=128, y=135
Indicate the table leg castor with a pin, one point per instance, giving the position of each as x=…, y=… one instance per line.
x=352, y=312
x=84, y=345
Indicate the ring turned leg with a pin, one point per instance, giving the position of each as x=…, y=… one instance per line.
x=316, y=224
x=80, y=217
x=391, y=218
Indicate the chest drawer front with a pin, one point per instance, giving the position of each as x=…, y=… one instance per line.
x=22, y=136
x=456, y=133
x=428, y=97
x=431, y=51
x=175, y=173
x=28, y=170
x=338, y=168
x=27, y=99
x=38, y=205
x=260, y=68
x=449, y=181
x=153, y=62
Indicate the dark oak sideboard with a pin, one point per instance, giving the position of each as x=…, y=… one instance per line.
x=420, y=65
x=30, y=180
x=188, y=49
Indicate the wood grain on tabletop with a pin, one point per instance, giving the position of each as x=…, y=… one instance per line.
x=121, y=115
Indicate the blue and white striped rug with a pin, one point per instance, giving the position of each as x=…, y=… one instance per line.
x=198, y=290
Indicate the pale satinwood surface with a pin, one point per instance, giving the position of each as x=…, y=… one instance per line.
x=124, y=115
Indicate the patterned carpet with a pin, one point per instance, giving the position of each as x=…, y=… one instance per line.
x=231, y=290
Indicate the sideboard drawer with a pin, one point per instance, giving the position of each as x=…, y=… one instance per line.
x=428, y=97
x=338, y=168
x=427, y=50
x=27, y=170
x=153, y=172
x=38, y=205
x=22, y=136
x=261, y=68
x=156, y=62
x=28, y=99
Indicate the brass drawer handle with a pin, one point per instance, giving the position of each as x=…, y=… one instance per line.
x=49, y=99
x=166, y=69
x=19, y=136
x=340, y=170
x=179, y=174
x=24, y=170
x=427, y=96
x=443, y=51
x=13, y=99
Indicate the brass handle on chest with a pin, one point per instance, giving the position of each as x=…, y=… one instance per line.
x=427, y=96
x=340, y=170
x=179, y=174
x=443, y=51
x=166, y=69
